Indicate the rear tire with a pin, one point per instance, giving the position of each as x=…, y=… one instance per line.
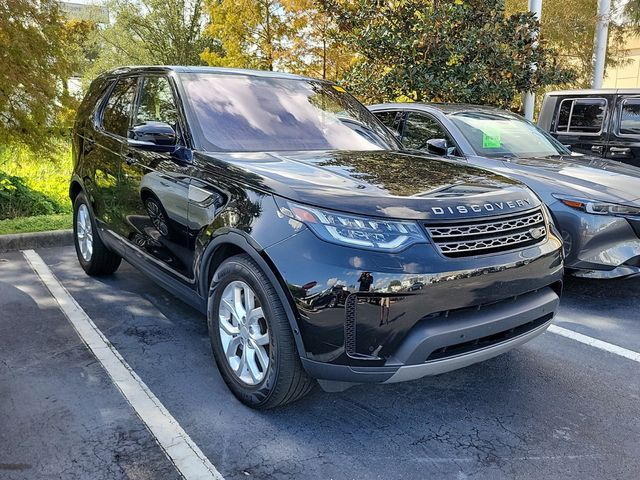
x=94, y=257
x=251, y=337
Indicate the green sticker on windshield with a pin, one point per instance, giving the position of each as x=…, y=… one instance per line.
x=491, y=139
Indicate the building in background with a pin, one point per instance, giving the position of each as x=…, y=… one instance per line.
x=86, y=11
x=626, y=75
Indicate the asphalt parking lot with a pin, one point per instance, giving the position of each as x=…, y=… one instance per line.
x=553, y=408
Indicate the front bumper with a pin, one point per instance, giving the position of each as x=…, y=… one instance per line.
x=455, y=341
x=598, y=246
x=418, y=309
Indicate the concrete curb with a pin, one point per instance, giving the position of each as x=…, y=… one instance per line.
x=21, y=241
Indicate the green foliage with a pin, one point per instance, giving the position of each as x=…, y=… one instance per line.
x=32, y=184
x=150, y=32
x=40, y=223
x=444, y=51
x=251, y=33
x=33, y=68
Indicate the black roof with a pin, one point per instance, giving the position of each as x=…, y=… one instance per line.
x=600, y=91
x=202, y=69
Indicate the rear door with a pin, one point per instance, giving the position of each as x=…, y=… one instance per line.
x=583, y=123
x=154, y=185
x=624, y=139
x=104, y=144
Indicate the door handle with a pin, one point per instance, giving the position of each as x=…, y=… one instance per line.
x=597, y=149
x=131, y=160
x=620, y=151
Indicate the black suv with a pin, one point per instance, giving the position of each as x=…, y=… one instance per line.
x=280, y=207
x=595, y=122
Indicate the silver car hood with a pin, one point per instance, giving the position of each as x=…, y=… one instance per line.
x=577, y=175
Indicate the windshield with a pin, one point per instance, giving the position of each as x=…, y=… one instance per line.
x=242, y=113
x=504, y=135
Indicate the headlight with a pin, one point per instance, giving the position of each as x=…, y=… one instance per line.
x=599, y=208
x=355, y=231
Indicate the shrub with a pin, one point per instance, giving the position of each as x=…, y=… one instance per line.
x=18, y=200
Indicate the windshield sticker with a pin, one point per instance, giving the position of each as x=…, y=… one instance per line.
x=491, y=139
x=338, y=88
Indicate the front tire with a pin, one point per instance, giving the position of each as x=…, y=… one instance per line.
x=94, y=257
x=251, y=337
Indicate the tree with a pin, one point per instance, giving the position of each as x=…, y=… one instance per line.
x=251, y=33
x=448, y=51
x=148, y=32
x=316, y=49
x=33, y=69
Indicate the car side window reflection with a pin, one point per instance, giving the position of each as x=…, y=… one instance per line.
x=391, y=120
x=420, y=128
x=117, y=112
x=157, y=103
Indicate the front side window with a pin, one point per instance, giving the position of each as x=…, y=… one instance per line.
x=157, y=103
x=581, y=115
x=391, y=119
x=117, y=112
x=243, y=113
x=421, y=128
x=504, y=135
x=630, y=117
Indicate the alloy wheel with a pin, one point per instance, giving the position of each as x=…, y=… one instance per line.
x=244, y=333
x=84, y=232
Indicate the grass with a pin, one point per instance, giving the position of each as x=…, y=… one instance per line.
x=38, y=223
x=34, y=189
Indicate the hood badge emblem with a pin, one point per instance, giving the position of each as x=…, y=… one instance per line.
x=486, y=207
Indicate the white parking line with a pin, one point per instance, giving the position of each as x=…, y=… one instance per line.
x=176, y=443
x=594, y=342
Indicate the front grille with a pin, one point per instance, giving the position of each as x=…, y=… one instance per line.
x=483, y=236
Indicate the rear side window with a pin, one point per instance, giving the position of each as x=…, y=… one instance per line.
x=630, y=117
x=581, y=115
x=117, y=112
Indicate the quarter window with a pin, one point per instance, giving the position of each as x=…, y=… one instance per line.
x=420, y=128
x=630, y=118
x=157, y=103
x=117, y=112
x=581, y=115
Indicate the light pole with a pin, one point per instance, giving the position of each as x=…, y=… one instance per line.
x=535, y=7
x=600, y=42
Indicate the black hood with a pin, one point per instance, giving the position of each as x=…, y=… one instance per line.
x=377, y=183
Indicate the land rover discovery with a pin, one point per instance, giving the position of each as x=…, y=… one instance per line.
x=282, y=209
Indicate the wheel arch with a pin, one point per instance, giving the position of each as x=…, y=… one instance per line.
x=235, y=243
x=75, y=187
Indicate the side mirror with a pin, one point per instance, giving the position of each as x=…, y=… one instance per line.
x=155, y=136
x=568, y=147
x=439, y=146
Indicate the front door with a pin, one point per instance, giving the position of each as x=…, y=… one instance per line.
x=156, y=184
x=624, y=139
